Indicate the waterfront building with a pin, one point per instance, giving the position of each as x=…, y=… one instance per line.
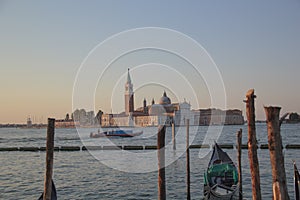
x=66, y=123
x=29, y=122
x=166, y=112
x=212, y=116
x=84, y=118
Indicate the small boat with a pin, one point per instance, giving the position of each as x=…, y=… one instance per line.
x=221, y=178
x=53, y=193
x=296, y=182
x=115, y=133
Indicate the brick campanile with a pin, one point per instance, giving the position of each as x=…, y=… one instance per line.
x=129, y=95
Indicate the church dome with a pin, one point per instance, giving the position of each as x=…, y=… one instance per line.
x=164, y=99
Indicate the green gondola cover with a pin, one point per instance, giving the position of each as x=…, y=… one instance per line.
x=220, y=166
x=226, y=172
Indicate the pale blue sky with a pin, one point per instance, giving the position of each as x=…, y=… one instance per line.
x=255, y=44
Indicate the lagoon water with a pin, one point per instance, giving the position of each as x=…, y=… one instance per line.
x=79, y=175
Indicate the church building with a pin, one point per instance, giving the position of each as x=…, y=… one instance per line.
x=165, y=113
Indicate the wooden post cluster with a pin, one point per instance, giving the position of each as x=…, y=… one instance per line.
x=49, y=159
x=276, y=156
x=161, y=162
x=252, y=145
x=239, y=150
x=188, y=190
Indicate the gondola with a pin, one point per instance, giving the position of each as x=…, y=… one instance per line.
x=221, y=177
x=53, y=193
x=296, y=182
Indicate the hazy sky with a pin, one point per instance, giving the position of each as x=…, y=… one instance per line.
x=255, y=44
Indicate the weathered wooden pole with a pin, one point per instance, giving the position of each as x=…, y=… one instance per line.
x=280, y=191
x=188, y=189
x=239, y=151
x=252, y=145
x=173, y=136
x=296, y=182
x=49, y=159
x=161, y=162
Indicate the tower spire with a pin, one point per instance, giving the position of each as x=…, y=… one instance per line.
x=153, y=102
x=128, y=77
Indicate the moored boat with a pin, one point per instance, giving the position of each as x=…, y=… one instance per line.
x=53, y=193
x=221, y=177
x=115, y=133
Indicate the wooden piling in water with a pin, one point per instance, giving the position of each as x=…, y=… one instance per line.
x=252, y=145
x=161, y=162
x=173, y=136
x=49, y=159
x=188, y=189
x=276, y=156
x=239, y=152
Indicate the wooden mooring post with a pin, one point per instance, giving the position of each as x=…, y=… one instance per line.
x=161, y=162
x=252, y=145
x=188, y=189
x=239, y=154
x=49, y=159
x=280, y=191
x=173, y=136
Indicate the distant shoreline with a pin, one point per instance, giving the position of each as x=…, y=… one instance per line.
x=42, y=126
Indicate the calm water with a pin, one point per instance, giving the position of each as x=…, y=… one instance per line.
x=78, y=175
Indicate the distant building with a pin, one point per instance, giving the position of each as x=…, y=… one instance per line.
x=84, y=118
x=214, y=116
x=29, y=122
x=64, y=123
x=183, y=112
x=147, y=115
x=166, y=112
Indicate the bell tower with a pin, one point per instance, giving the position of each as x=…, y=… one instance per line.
x=129, y=95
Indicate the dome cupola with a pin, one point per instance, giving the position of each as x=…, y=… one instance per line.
x=164, y=99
